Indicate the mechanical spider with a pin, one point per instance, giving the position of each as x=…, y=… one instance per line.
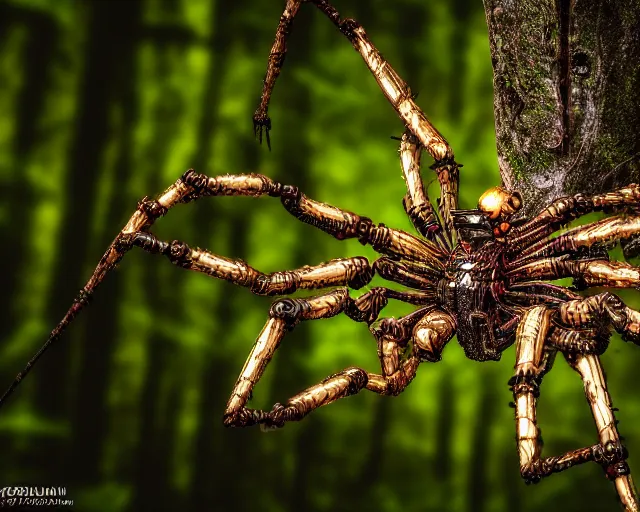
x=474, y=273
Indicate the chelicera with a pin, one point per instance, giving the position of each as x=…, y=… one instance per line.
x=475, y=273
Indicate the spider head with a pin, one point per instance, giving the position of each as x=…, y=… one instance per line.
x=499, y=204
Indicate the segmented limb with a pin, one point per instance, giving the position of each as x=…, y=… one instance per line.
x=416, y=276
x=392, y=85
x=399, y=95
x=393, y=335
x=261, y=120
x=416, y=202
x=534, y=328
x=612, y=274
x=366, y=307
x=611, y=454
x=554, y=292
x=529, y=369
x=148, y=211
x=191, y=186
x=431, y=333
x=285, y=314
x=394, y=88
x=565, y=209
x=339, y=223
x=578, y=341
x=530, y=299
x=353, y=272
x=604, y=231
x=604, y=308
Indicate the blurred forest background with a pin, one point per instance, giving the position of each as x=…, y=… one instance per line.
x=104, y=102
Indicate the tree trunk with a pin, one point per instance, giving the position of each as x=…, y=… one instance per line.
x=567, y=95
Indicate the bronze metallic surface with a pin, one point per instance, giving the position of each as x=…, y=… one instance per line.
x=595, y=390
x=475, y=274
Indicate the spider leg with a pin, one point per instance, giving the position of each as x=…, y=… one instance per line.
x=613, y=274
x=565, y=209
x=394, y=88
x=416, y=276
x=261, y=119
x=530, y=299
x=553, y=292
x=339, y=223
x=147, y=212
x=191, y=186
x=531, y=365
x=353, y=272
x=367, y=307
x=589, y=312
x=283, y=315
x=430, y=333
x=602, y=308
x=391, y=334
x=610, y=453
x=399, y=95
x=604, y=231
x=536, y=326
x=416, y=203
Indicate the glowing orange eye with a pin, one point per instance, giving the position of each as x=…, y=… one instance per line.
x=498, y=202
x=492, y=200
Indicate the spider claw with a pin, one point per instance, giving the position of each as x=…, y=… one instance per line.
x=261, y=121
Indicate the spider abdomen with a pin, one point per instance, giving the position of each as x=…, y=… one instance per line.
x=467, y=291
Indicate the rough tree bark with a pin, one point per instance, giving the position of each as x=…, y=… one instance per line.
x=567, y=98
x=567, y=95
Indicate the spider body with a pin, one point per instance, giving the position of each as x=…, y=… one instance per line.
x=473, y=287
x=475, y=273
x=475, y=279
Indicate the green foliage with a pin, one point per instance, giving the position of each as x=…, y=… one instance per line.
x=126, y=410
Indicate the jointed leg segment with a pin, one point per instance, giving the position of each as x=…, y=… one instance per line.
x=284, y=315
x=609, y=452
x=400, y=97
x=353, y=272
x=565, y=209
x=392, y=335
x=586, y=273
x=393, y=87
x=339, y=223
x=525, y=386
x=416, y=203
x=605, y=231
x=602, y=309
x=142, y=218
